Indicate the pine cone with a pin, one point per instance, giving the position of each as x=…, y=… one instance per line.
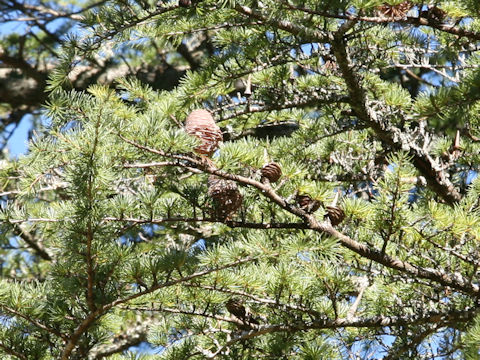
x=330, y=65
x=236, y=308
x=394, y=11
x=434, y=14
x=335, y=214
x=307, y=204
x=272, y=172
x=225, y=195
x=200, y=124
x=184, y=3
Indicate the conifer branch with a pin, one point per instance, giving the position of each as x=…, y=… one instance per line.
x=79, y=331
x=134, y=22
x=50, y=14
x=185, y=312
x=395, y=352
x=10, y=351
x=22, y=64
x=229, y=223
x=179, y=281
x=440, y=318
x=295, y=29
x=131, y=337
x=391, y=136
x=263, y=131
x=100, y=311
x=353, y=309
x=409, y=20
x=150, y=165
x=298, y=101
x=376, y=255
x=90, y=227
x=35, y=220
x=268, y=302
x=34, y=322
x=32, y=243
x=226, y=25
x=468, y=259
x=56, y=186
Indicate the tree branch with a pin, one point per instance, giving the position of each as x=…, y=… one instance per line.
x=131, y=337
x=230, y=223
x=372, y=322
x=295, y=29
x=10, y=351
x=32, y=243
x=409, y=20
x=268, y=302
x=389, y=135
x=325, y=227
x=187, y=312
x=34, y=322
x=90, y=319
x=396, y=352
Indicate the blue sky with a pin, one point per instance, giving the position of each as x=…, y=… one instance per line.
x=17, y=144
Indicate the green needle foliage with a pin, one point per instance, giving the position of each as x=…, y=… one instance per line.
x=110, y=237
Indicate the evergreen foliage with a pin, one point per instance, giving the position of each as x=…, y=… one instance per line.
x=109, y=237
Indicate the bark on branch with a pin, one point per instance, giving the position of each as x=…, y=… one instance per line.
x=391, y=136
x=437, y=275
x=440, y=318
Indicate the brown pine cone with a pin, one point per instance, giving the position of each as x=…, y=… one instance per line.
x=236, y=308
x=200, y=124
x=395, y=11
x=335, y=214
x=271, y=171
x=434, y=14
x=184, y=3
x=226, y=197
x=307, y=204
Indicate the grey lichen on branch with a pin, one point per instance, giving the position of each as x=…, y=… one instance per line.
x=389, y=135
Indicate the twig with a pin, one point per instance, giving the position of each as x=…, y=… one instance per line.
x=324, y=226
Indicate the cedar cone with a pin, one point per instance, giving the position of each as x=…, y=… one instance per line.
x=394, y=11
x=335, y=214
x=307, y=204
x=236, y=308
x=225, y=195
x=433, y=13
x=184, y=3
x=272, y=172
x=330, y=65
x=200, y=124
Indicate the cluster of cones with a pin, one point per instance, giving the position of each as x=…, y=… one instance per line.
x=431, y=12
x=227, y=199
x=225, y=195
